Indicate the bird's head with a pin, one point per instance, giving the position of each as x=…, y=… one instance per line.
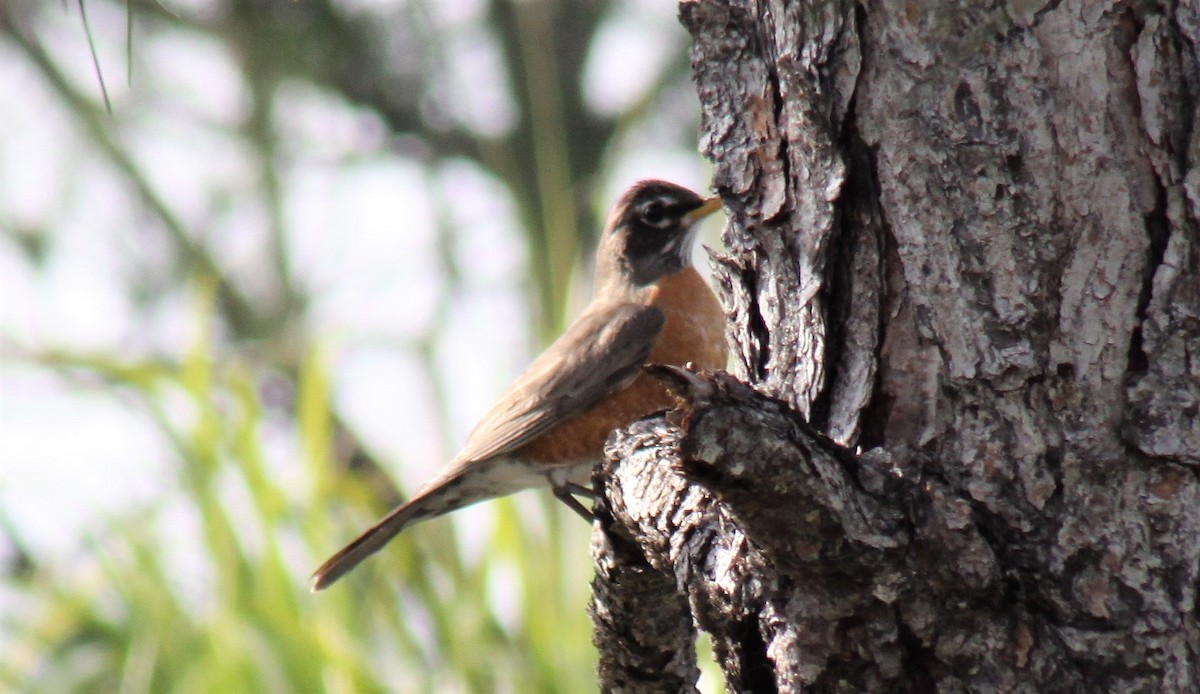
x=649, y=234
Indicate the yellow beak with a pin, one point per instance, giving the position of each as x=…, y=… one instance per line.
x=710, y=205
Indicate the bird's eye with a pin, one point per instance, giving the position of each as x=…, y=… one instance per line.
x=654, y=214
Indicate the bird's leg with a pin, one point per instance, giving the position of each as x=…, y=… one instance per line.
x=563, y=492
x=578, y=490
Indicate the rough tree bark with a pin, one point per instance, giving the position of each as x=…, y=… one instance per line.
x=964, y=243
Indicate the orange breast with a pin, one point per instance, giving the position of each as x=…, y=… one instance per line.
x=694, y=331
x=695, y=322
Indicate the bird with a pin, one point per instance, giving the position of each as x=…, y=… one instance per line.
x=549, y=427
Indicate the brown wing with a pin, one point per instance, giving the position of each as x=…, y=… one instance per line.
x=602, y=351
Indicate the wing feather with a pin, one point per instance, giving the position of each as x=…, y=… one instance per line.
x=601, y=352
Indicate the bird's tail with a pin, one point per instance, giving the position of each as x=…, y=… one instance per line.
x=369, y=542
x=458, y=486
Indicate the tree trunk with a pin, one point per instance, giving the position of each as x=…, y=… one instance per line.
x=963, y=282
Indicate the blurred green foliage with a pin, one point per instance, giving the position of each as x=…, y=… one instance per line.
x=131, y=613
x=129, y=621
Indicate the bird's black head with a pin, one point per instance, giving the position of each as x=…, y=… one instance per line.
x=650, y=232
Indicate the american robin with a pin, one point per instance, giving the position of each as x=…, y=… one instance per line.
x=650, y=306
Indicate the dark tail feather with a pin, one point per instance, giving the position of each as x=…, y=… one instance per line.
x=459, y=485
x=370, y=542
